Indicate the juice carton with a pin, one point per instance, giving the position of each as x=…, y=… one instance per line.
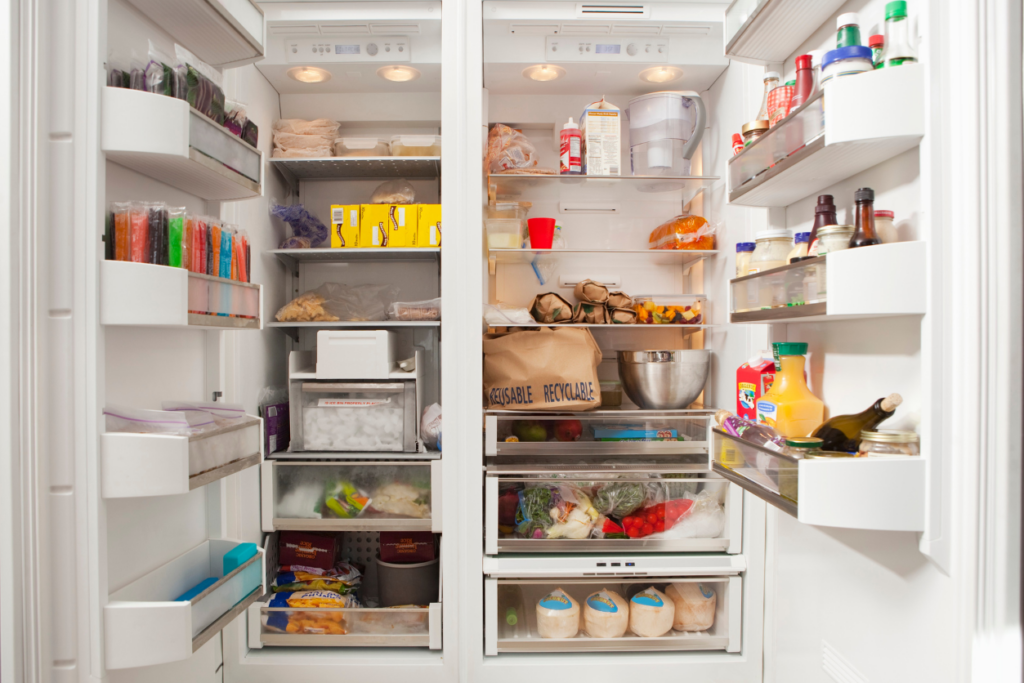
x=345, y=230
x=753, y=380
x=428, y=229
x=600, y=126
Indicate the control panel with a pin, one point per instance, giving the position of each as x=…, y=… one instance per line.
x=320, y=50
x=606, y=49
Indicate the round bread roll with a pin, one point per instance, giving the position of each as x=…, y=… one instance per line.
x=651, y=613
x=558, y=615
x=695, y=606
x=606, y=614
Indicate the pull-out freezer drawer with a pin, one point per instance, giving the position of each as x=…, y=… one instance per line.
x=598, y=433
x=351, y=496
x=353, y=416
x=511, y=614
x=601, y=510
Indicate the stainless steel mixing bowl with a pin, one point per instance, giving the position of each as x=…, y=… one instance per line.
x=664, y=380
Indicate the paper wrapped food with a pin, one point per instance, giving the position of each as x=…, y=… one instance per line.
x=651, y=613
x=695, y=606
x=558, y=615
x=683, y=232
x=606, y=614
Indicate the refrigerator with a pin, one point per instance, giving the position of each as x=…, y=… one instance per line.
x=230, y=117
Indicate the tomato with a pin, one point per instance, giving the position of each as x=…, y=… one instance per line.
x=647, y=530
x=660, y=526
x=661, y=514
x=652, y=517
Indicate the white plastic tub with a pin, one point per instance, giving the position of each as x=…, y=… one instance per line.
x=361, y=147
x=416, y=146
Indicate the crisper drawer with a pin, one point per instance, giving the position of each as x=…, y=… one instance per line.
x=596, y=433
x=351, y=496
x=600, y=510
x=353, y=416
x=707, y=612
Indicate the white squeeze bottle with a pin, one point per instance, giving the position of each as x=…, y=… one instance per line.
x=570, y=161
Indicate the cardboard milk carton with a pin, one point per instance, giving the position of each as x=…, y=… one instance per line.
x=602, y=138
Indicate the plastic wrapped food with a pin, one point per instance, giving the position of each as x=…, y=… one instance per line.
x=507, y=150
x=402, y=500
x=501, y=314
x=705, y=518
x=606, y=614
x=683, y=232
x=343, y=578
x=694, y=606
x=550, y=511
x=430, y=426
x=415, y=310
x=343, y=500
x=203, y=87
x=302, y=222
x=619, y=499
x=398, y=191
x=656, y=518
x=332, y=301
x=558, y=615
x=323, y=127
x=651, y=613
x=138, y=421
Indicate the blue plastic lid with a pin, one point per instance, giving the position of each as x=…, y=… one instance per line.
x=850, y=52
x=745, y=246
x=802, y=237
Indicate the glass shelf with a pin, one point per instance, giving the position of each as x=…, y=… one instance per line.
x=600, y=188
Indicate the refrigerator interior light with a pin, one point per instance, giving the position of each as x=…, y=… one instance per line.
x=544, y=72
x=661, y=74
x=398, y=73
x=309, y=74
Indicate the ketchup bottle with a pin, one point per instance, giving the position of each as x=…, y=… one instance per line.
x=570, y=161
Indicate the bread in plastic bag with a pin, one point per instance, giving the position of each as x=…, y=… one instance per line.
x=415, y=310
x=683, y=232
x=508, y=149
x=302, y=222
x=332, y=301
x=398, y=191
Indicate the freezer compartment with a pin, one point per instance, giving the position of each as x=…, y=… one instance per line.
x=511, y=615
x=351, y=496
x=828, y=491
x=137, y=465
x=366, y=626
x=596, y=433
x=611, y=510
x=145, y=623
x=353, y=416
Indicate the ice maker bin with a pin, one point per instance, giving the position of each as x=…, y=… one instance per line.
x=353, y=416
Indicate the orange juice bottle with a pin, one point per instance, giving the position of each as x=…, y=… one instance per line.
x=789, y=407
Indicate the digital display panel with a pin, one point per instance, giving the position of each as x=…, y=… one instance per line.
x=609, y=49
x=346, y=49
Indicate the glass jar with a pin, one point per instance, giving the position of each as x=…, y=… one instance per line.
x=834, y=238
x=804, y=446
x=753, y=130
x=884, y=227
x=743, y=252
x=886, y=443
x=800, y=243
x=771, y=251
x=846, y=61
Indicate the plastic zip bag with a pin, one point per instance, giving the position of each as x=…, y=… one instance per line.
x=415, y=310
x=508, y=149
x=223, y=414
x=303, y=224
x=204, y=90
x=138, y=421
x=684, y=232
x=430, y=426
x=398, y=191
x=332, y=301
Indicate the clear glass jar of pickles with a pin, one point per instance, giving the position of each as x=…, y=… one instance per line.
x=886, y=443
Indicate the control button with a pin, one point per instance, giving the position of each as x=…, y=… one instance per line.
x=661, y=50
x=588, y=48
x=387, y=48
x=631, y=49
x=401, y=48
x=647, y=49
x=314, y=49
x=554, y=48
x=371, y=49
x=294, y=50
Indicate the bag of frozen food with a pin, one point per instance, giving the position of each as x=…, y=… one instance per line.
x=398, y=191
x=618, y=499
x=139, y=421
x=683, y=232
x=430, y=426
x=343, y=500
x=551, y=309
x=161, y=75
x=343, y=578
x=321, y=622
x=224, y=414
x=402, y=500
x=302, y=222
x=332, y=301
x=415, y=310
x=508, y=149
x=204, y=86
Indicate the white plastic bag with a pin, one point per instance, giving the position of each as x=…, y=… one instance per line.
x=138, y=421
x=398, y=191
x=503, y=314
x=430, y=426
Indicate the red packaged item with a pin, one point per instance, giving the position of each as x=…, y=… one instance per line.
x=778, y=103
x=753, y=380
x=656, y=518
x=407, y=547
x=302, y=549
x=683, y=232
x=737, y=143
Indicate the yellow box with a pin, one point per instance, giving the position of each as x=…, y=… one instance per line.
x=428, y=229
x=345, y=231
x=388, y=225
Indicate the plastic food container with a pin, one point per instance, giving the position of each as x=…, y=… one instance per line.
x=415, y=310
x=504, y=233
x=361, y=147
x=886, y=443
x=611, y=394
x=771, y=251
x=416, y=146
x=509, y=210
x=834, y=238
x=846, y=61
x=684, y=309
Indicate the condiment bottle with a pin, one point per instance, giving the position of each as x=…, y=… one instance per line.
x=884, y=227
x=570, y=149
x=849, y=29
x=824, y=214
x=753, y=130
x=799, y=246
x=876, y=43
x=771, y=82
x=804, y=82
x=864, y=235
x=737, y=143
x=789, y=407
x=743, y=251
x=899, y=46
x=816, y=56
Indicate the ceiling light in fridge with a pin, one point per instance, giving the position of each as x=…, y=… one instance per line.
x=309, y=74
x=544, y=72
x=398, y=73
x=661, y=74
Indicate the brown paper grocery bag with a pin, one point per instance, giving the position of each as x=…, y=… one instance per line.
x=622, y=316
x=551, y=309
x=619, y=300
x=590, y=313
x=591, y=292
x=543, y=369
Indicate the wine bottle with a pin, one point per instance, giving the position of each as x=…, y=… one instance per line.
x=842, y=432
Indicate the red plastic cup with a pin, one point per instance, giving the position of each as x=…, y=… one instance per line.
x=542, y=232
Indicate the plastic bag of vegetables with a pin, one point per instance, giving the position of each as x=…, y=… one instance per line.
x=618, y=499
x=550, y=511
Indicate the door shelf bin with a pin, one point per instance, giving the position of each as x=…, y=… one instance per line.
x=137, y=465
x=164, y=138
x=147, y=295
x=522, y=595
x=717, y=526
x=144, y=624
x=683, y=432
x=828, y=492
x=402, y=495
x=832, y=287
x=822, y=143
